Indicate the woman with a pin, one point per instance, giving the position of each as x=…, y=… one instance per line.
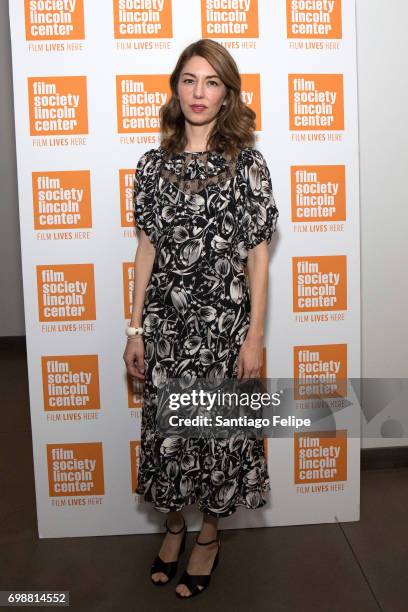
x=204, y=206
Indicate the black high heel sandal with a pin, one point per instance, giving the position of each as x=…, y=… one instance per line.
x=193, y=582
x=169, y=568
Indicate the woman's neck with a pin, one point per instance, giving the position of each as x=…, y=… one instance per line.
x=197, y=138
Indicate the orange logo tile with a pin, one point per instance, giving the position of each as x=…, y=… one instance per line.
x=75, y=469
x=70, y=382
x=318, y=193
x=251, y=95
x=66, y=292
x=313, y=19
x=134, y=462
x=135, y=392
x=136, y=19
x=320, y=371
x=128, y=287
x=54, y=19
x=229, y=18
x=62, y=200
x=316, y=102
x=58, y=105
x=319, y=283
x=134, y=386
x=139, y=98
x=126, y=183
x=320, y=456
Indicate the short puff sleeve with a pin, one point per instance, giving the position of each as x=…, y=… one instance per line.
x=261, y=212
x=143, y=192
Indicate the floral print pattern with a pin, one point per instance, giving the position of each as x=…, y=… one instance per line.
x=203, y=212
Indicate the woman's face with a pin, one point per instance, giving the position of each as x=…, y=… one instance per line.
x=201, y=92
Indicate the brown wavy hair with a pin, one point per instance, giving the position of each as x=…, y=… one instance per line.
x=235, y=123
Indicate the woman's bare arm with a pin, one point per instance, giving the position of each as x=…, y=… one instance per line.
x=250, y=355
x=144, y=259
x=258, y=273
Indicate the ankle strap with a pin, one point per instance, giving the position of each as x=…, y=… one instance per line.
x=205, y=543
x=175, y=532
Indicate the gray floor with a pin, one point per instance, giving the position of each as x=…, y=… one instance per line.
x=359, y=567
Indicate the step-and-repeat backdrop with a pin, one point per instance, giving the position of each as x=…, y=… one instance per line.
x=89, y=79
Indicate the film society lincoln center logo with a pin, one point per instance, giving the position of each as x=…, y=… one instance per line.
x=75, y=469
x=320, y=457
x=229, y=18
x=319, y=283
x=316, y=102
x=139, y=99
x=66, y=292
x=314, y=19
x=58, y=105
x=318, y=193
x=142, y=19
x=54, y=19
x=126, y=184
x=320, y=371
x=62, y=200
x=70, y=383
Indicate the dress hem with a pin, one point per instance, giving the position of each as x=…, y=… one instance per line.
x=201, y=507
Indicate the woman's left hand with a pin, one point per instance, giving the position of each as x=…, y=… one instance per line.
x=250, y=358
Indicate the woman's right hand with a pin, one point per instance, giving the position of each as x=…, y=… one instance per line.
x=134, y=357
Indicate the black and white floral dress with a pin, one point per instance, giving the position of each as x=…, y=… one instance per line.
x=202, y=211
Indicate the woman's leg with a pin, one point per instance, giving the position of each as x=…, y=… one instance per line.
x=171, y=544
x=202, y=557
